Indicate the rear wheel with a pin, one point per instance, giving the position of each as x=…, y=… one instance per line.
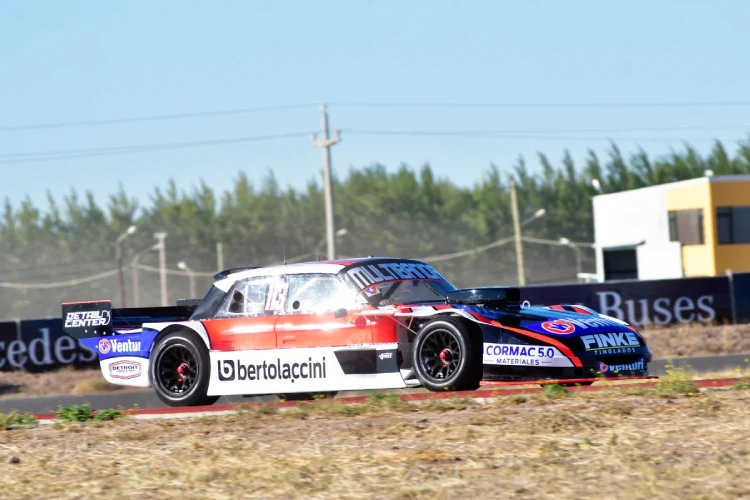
x=447, y=356
x=180, y=370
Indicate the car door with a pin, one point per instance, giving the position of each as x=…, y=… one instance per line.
x=246, y=318
x=308, y=318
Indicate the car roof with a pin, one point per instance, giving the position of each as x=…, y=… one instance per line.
x=230, y=277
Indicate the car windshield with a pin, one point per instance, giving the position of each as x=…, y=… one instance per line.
x=406, y=292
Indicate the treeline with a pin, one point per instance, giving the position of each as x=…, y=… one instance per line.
x=408, y=213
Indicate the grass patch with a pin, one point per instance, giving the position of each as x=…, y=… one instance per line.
x=677, y=382
x=84, y=413
x=555, y=391
x=108, y=415
x=8, y=420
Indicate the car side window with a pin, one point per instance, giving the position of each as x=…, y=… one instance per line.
x=261, y=296
x=314, y=293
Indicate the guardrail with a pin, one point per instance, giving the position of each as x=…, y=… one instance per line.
x=38, y=345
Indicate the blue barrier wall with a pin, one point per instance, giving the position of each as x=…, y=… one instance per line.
x=661, y=302
x=37, y=345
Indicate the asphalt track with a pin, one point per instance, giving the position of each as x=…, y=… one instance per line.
x=146, y=399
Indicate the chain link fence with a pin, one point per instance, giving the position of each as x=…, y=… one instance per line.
x=28, y=291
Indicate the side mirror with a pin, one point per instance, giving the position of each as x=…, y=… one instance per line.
x=340, y=313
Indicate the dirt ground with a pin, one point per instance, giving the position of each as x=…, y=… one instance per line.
x=664, y=343
x=697, y=340
x=584, y=445
x=65, y=381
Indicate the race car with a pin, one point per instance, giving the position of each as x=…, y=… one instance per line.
x=357, y=324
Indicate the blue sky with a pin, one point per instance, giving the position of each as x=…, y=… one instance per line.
x=80, y=61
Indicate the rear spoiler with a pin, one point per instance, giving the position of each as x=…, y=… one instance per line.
x=499, y=297
x=98, y=318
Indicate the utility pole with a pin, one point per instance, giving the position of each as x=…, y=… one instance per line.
x=326, y=142
x=162, y=267
x=219, y=256
x=517, y=233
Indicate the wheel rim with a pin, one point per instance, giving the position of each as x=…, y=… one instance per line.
x=440, y=355
x=176, y=370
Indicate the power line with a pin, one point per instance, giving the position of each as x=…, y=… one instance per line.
x=151, y=118
x=683, y=104
x=142, y=148
x=542, y=131
x=65, y=154
x=241, y=111
x=477, y=134
x=58, y=284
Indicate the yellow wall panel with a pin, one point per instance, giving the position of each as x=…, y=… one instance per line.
x=735, y=257
x=697, y=260
x=726, y=194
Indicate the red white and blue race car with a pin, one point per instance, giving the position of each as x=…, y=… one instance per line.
x=358, y=324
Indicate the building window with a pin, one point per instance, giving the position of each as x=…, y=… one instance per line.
x=620, y=264
x=733, y=224
x=686, y=226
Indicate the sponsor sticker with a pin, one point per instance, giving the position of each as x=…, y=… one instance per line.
x=559, y=327
x=385, y=355
x=637, y=366
x=119, y=346
x=86, y=319
x=125, y=369
x=568, y=326
x=611, y=343
x=231, y=370
x=526, y=355
x=104, y=346
x=370, y=274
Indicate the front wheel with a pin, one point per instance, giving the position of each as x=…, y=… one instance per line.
x=180, y=370
x=447, y=356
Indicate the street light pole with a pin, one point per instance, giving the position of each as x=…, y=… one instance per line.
x=340, y=232
x=326, y=142
x=191, y=276
x=118, y=259
x=134, y=274
x=567, y=242
x=162, y=267
x=517, y=234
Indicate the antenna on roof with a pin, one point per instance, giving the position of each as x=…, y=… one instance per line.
x=283, y=253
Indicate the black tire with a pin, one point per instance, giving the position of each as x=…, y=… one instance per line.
x=180, y=369
x=306, y=396
x=447, y=355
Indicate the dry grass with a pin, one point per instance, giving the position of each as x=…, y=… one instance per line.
x=64, y=381
x=91, y=385
x=563, y=446
x=698, y=340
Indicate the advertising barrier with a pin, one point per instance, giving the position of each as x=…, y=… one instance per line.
x=38, y=345
x=660, y=302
